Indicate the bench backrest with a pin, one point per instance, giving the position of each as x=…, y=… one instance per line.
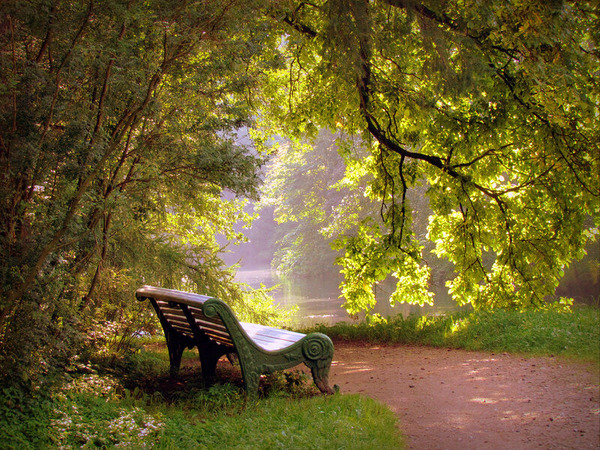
x=183, y=312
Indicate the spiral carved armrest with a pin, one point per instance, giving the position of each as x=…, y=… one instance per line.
x=318, y=351
x=317, y=346
x=217, y=308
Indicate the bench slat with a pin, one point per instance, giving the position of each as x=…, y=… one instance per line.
x=216, y=332
x=262, y=330
x=221, y=331
x=270, y=346
x=172, y=311
x=182, y=321
x=184, y=331
x=208, y=320
x=166, y=295
x=263, y=338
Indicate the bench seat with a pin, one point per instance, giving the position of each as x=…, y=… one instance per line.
x=269, y=338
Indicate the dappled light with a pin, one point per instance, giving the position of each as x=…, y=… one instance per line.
x=356, y=365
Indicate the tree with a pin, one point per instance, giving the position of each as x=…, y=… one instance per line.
x=491, y=106
x=117, y=135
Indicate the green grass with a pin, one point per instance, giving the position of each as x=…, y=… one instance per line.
x=572, y=334
x=340, y=421
x=96, y=410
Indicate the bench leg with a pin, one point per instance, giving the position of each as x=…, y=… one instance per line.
x=320, y=374
x=251, y=383
x=250, y=373
x=176, y=348
x=208, y=361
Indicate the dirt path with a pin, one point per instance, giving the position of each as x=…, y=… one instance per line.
x=454, y=399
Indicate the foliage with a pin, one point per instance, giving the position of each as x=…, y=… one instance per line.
x=118, y=133
x=296, y=384
x=492, y=107
x=548, y=332
x=25, y=419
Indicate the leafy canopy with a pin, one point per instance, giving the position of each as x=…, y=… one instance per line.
x=492, y=106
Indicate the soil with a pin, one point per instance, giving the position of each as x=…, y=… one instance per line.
x=455, y=399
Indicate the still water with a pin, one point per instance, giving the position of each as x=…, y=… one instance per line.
x=318, y=298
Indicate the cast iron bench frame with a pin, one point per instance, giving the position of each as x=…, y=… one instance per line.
x=209, y=324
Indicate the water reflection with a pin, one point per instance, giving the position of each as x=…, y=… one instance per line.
x=318, y=299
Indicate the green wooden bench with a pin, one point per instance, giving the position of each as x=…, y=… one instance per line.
x=208, y=323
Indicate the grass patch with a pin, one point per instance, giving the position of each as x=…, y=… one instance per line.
x=340, y=421
x=572, y=334
x=129, y=406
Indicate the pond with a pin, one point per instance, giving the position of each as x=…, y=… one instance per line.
x=318, y=298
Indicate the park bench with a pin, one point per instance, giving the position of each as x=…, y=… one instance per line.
x=209, y=324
